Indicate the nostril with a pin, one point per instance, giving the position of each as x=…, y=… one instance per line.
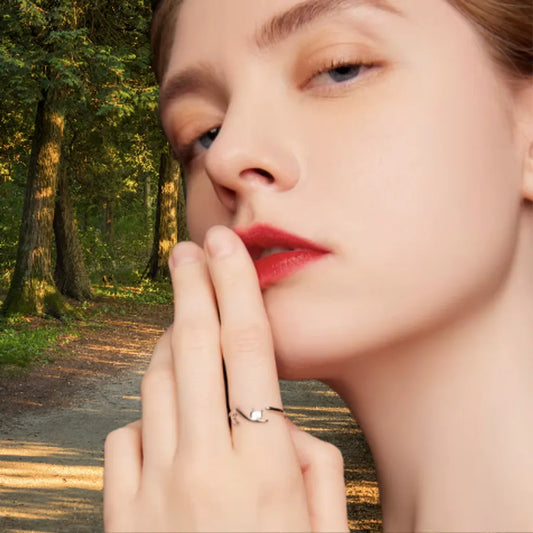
x=264, y=173
x=227, y=196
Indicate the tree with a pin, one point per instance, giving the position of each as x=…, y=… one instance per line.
x=92, y=58
x=32, y=288
x=166, y=217
x=70, y=274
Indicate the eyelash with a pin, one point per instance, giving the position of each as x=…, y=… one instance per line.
x=184, y=153
x=337, y=64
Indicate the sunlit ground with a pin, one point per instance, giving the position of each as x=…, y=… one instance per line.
x=41, y=484
x=45, y=486
x=315, y=408
x=51, y=458
x=51, y=479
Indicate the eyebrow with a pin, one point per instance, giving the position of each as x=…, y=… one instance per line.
x=203, y=78
x=281, y=26
x=198, y=79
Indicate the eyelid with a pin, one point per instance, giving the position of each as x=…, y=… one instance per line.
x=189, y=119
x=184, y=150
x=332, y=88
x=310, y=66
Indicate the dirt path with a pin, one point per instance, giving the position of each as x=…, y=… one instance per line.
x=54, y=421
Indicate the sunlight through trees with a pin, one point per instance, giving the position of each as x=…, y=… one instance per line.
x=83, y=196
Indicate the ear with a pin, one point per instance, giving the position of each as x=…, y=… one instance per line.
x=524, y=109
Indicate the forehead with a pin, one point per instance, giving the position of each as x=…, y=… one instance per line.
x=200, y=22
x=212, y=34
x=259, y=22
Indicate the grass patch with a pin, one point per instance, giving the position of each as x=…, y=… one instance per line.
x=147, y=292
x=24, y=343
x=25, y=340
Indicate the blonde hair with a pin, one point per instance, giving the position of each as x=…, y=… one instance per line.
x=506, y=27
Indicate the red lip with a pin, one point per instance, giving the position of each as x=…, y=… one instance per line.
x=277, y=266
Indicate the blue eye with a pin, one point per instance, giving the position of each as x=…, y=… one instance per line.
x=344, y=72
x=206, y=139
x=339, y=73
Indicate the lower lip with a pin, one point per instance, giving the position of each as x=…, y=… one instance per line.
x=276, y=267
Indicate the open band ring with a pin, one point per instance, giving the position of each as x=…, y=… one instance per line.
x=256, y=415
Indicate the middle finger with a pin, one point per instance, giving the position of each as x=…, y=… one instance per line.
x=245, y=336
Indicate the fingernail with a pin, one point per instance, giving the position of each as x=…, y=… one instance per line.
x=220, y=241
x=183, y=253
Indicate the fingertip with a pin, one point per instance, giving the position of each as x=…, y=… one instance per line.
x=220, y=241
x=184, y=252
x=136, y=425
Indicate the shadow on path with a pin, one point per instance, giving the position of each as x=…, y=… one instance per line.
x=314, y=407
x=51, y=465
x=51, y=459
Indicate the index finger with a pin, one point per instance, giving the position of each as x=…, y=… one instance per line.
x=201, y=404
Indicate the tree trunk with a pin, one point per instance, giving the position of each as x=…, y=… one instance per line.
x=70, y=275
x=166, y=216
x=32, y=289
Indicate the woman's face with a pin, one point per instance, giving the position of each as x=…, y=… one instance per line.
x=406, y=169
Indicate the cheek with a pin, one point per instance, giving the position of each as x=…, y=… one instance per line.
x=422, y=205
x=430, y=178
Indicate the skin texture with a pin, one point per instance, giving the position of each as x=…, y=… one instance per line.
x=417, y=174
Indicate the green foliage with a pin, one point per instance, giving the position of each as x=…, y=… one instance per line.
x=97, y=54
x=11, y=200
x=22, y=344
x=24, y=341
x=124, y=254
x=146, y=292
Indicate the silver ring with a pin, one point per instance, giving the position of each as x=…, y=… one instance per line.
x=256, y=415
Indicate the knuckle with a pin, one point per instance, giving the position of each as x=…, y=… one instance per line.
x=162, y=349
x=164, y=340
x=156, y=379
x=113, y=437
x=117, y=437
x=110, y=441
x=332, y=456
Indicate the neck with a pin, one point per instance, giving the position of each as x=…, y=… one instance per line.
x=448, y=417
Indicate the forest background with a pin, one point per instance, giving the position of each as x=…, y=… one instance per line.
x=91, y=200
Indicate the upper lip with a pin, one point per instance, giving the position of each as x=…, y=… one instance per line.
x=259, y=237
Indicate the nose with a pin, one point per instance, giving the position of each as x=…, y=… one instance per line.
x=253, y=150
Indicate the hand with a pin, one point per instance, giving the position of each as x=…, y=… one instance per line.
x=183, y=467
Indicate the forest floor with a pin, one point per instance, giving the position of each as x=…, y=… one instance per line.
x=54, y=420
